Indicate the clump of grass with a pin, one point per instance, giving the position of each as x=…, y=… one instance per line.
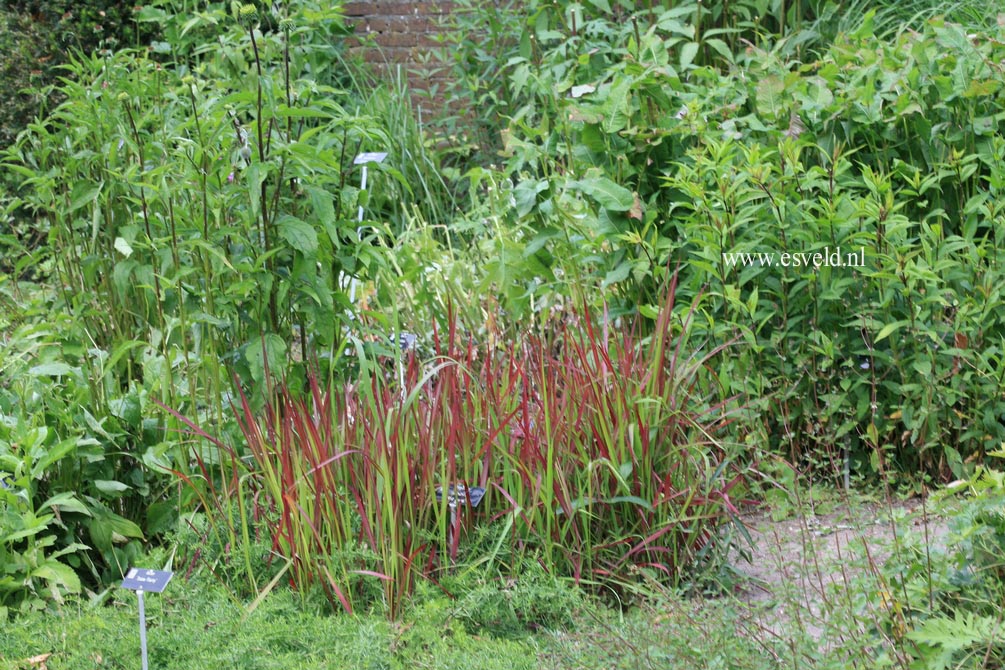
x=595, y=445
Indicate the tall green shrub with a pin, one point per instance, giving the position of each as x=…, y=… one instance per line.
x=654, y=157
x=199, y=221
x=207, y=212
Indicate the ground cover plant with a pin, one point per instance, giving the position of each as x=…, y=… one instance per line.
x=219, y=353
x=196, y=623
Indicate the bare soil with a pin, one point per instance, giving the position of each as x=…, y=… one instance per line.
x=800, y=567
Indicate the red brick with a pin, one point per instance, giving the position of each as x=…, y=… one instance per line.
x=386, y=7
x=356, y=8
x=392, y=33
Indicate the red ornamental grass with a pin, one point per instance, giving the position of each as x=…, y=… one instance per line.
x=597, y=446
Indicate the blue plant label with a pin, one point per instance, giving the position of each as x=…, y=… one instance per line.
x=149, y=581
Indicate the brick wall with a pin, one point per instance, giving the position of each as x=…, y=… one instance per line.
x=404, y=34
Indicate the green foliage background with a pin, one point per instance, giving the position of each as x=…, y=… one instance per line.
x=657, y=141
x=580, y=345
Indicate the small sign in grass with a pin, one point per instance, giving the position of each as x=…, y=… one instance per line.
x=141, y=580
x=460, y=493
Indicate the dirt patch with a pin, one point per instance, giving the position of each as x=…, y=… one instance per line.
x=800, y=568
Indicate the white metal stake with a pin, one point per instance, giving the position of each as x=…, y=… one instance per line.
x=362, y=187
x=140, y=580
x=450, y=535
x=143, y=629
x=359, y=232
x=362, y=160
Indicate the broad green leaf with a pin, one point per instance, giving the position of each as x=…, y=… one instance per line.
x=951, y=36
x=52, y=455
x=609, y=195
x=323, y=203
x=111, y=487
x=669, y=22
x=30, y=525
x=69, y=549
x=54, y=571
x=122, y=275
x=156, y=457
x=161, y=517
x=128, y=408
x=122, y=246
x=256, y=174
x=618, y=274
x=752, y=302
x=107, y=528
x=616, y=102
x=267, y=351
x=954, y=460
x=67, y=502
x=687, y=54
x=50, y=370
x=299, y=234
x=541, y=240
x=525, y=195
x=889, y=329
x=769, y=95
x=83, y=192
x=720, y=48
x=649, y=311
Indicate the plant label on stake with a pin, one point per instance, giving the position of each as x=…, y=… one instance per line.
x=459, y=494
x=141, y=580
x=364, y=160
x=151, y=581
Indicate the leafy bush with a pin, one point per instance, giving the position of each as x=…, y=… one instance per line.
x=650, y=158
x=189, y=220
x=76, y=456
x=522, y=46
x=38, y=37
x=202, y=212
x=943, y=607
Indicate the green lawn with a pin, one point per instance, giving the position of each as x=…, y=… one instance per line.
x=196, y=625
